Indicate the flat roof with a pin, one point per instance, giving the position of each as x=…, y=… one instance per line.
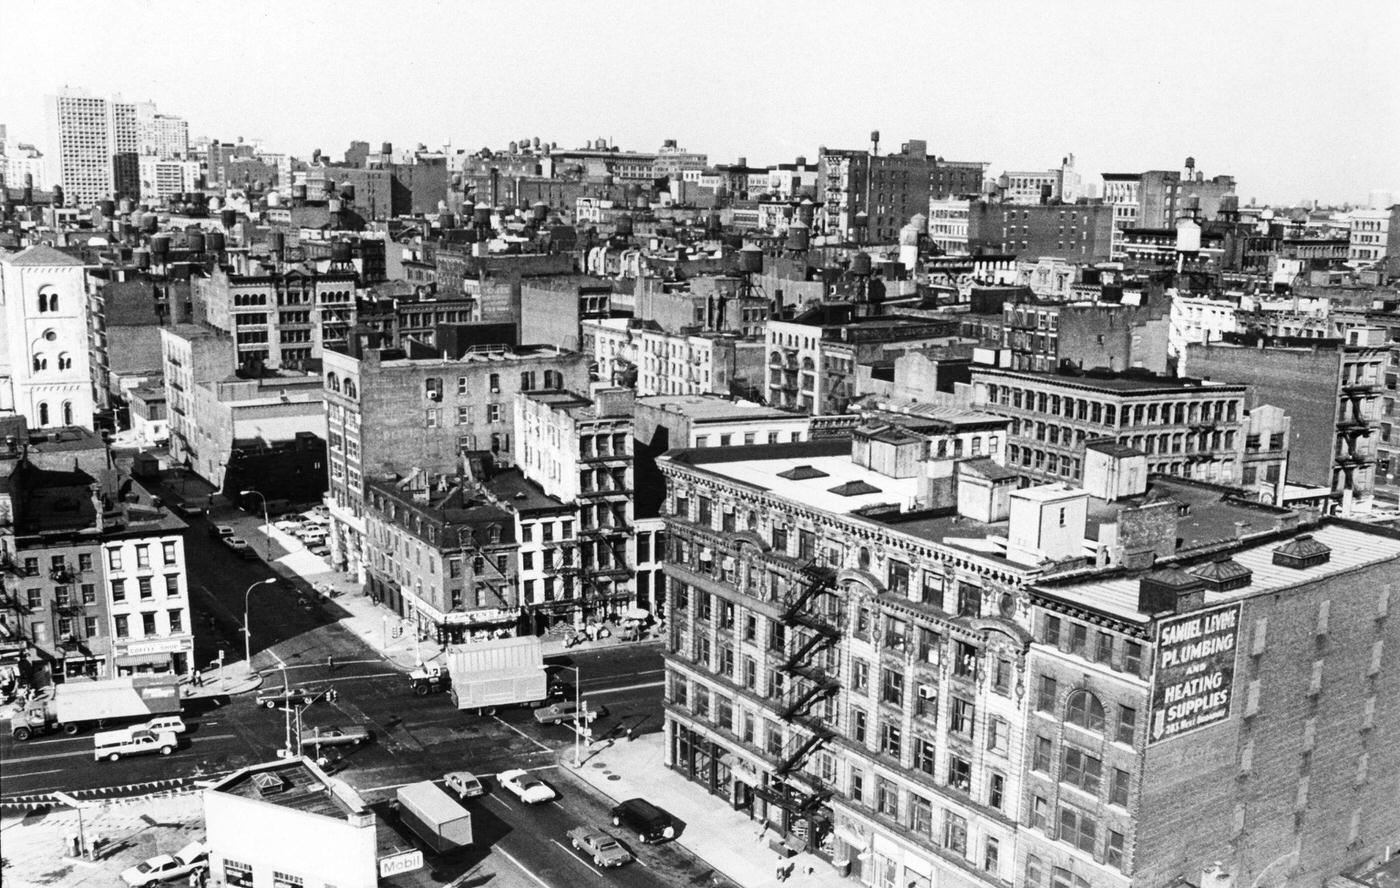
x=1351, y=549
x=297, y=784
x=1116, y=384
x=715, y=408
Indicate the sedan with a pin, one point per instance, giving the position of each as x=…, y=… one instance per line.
x=529, y=789
x=464, y=783
x=287, y=525
x=602, y=848
x=164, y=867
x=566, y=710
x=281, y=696
x=240, y=547
x=219, y=531
x=351, y=736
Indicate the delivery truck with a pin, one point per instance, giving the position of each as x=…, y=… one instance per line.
x=487, y=675
x=76, y=705
x=434, y=817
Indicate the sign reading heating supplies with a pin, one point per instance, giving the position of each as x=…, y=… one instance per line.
x=1194, y=675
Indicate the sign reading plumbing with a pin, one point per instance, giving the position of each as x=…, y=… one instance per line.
x=1194, y=676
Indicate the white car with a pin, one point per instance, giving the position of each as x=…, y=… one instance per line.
x=172, y=723
x=164, y=867
x=286, y=525
x=464, y=783
x=526, y=787
x=314, y=517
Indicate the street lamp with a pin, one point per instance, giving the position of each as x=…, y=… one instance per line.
x=267, y=521
x=578, y=714
x=248, y=630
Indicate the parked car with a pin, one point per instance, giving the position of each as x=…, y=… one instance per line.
x=320, y=550
x=287, y=525
x=313, y=516
x=650, y=823
x=164, y=867
x=272, y=698
x=464, y=783
x=172, y=723
x=335, y=736
x=240, y=547
x=526, y=787
x=219, y=531
x=565, y=711
x=602, y=848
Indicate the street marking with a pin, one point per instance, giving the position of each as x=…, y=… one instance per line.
x=522, y=733
x=511, y=857
x=574, y=854
x=63, y=755
x=636, y=687
x=643, y=672
x=340, y=662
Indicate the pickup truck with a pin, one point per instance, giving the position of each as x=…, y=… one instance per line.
x=598, y=846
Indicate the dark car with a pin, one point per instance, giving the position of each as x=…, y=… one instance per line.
x=650, y=823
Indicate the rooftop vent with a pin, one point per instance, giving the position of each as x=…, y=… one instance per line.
x=1302, y=552
x=1170, y=591
x=269, y=784
x=1224, y=575
x=802, y=473
x=854, y=488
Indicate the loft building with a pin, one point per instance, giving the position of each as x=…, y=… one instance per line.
x=394, y=410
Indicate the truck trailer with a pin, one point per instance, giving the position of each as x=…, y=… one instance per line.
x=487, y=675
x=76, y=705
x=434, y=817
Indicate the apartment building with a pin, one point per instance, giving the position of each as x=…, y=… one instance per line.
x=1185, y=427
x=405, y=408
x=80, y=145
x=280, y=317
x=579, y=451
x=442, y=556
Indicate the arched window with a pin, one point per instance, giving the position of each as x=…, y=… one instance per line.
x=43, y=413
x=65, y=361
x=43, y=302
x=350, y=388
x=333, y=382
x=41, y=362
x=1085, y=710
x=53, y=301
x=67, y=413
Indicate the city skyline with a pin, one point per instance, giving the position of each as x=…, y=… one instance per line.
x=763, y=99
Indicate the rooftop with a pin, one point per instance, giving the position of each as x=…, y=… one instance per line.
x=297, y=784
x=40, y=256
x=1118, y=384
x=1352, y=549
x=522, y=495
x=715, y=408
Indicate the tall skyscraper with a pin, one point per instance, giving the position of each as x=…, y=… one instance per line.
x=80, y=145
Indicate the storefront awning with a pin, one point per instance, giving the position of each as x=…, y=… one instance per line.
x=138, y=660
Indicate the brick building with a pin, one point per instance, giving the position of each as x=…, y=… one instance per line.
x=1330, y=390
x=1082, y=232
x=1186, y=427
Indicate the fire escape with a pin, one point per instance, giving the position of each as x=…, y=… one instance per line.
x=68, y=606
x=484, y=567
x=1352, y=428
x=809, y=615
x=604, y=491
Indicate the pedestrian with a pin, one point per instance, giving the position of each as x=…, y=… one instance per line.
x=629, y=733
x=781, y=869
x=330, y=662
x=198, y=679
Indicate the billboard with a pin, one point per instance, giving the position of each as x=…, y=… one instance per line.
x=1193, y=678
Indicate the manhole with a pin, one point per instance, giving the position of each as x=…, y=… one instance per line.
x=614, y=776
x=600, y=764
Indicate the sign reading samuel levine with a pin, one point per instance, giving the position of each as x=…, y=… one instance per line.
x=1194, y=676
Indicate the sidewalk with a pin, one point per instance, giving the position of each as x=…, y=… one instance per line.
x=226, y=681
x=725, y=839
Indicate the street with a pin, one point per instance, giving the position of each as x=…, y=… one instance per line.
x=412, y=738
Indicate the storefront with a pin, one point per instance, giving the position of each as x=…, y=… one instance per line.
x=482, y=623
x=170, y=655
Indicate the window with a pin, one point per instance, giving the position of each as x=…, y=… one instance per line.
x=1114, y=852
x=1043, y=748
x=959, y=773
x=286, y=880
x=857, y=786
x=1035, y=871
x=1045, y=694
x=996, y=791
x=85, y=561
x=920, y=815
x=144, y=585
x=891, y=740
x=925, y=755
x=1078, y=638
x=238, y=874
x=859, y=720
x=176, y=621
x=168, y=552
x=1127, y=723
x=1040, y=817
x=886, y=797
x=119, y=590
x=961, y=717
x=954, y=833
x=114, y=559
x=143, y=557
x=1103, y=647
x=860, y=676
x=148, y=623
x=1082, y=770
x=1001, y=677
x=493, y=412
x=898, y=579
x=1132, y=657
x=1052, y=631
x=998, y=734
x=89, y=592
x=891, y=686
x=1078, y=829
x=991, y=856
x=120, y=624
x=1085, y=710
x=1118, y=791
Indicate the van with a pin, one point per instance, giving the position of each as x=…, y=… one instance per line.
x=113, y=745
x=650, y=823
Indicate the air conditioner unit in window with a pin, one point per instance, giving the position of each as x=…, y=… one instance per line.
x=928, y=692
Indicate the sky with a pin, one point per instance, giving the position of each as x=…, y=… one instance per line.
x=1297, y=100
